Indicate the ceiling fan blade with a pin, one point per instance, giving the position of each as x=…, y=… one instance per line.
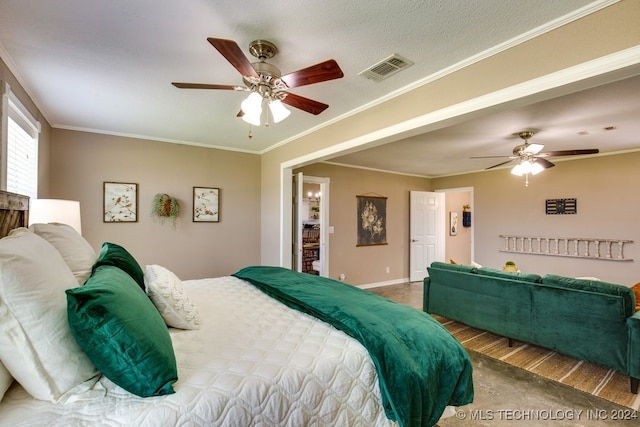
x=205, y=86
x=493, y=157
x=544, y=163
x=327, y=70
x=305, y=104
x=533, y=148
x=499, y=164
x=232, y=52
x=569, y=152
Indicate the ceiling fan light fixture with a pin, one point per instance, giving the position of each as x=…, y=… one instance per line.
x=278, y=111
x=252, y=119
x=252, y=105
x=526, y=167
x=252, y=109
x=536, y=168
x=518, y=170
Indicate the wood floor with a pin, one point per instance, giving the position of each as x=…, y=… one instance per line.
x=509, y=396
x=404, y=293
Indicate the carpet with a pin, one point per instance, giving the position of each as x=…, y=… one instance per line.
x=596, y=380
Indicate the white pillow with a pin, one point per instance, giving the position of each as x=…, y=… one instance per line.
x=76, y=251
x=5, y=380
x=168, y=295
x=36, y=344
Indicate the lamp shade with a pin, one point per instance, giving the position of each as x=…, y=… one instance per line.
x=518, y=170
x=252, y=108
x=278, y=111
x=55, y=210
x=536, y=168
x=526, y=167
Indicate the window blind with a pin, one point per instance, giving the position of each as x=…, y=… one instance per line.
x=20, y=131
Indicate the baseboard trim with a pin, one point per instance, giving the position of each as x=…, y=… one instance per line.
x=385, y=283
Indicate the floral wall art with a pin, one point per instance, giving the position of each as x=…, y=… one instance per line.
x=372, y=220
x=206, y=204
x=120, y=202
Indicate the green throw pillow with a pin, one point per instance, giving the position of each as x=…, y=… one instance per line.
x=119, y=328
x=117, y=256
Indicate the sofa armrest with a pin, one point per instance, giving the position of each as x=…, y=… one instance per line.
x=633, y=326
x=425, y=293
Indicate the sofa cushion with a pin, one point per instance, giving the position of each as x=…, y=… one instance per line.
x=596, y=286
x=512, y=275
x=453, y=267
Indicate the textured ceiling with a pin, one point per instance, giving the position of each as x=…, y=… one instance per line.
x=106, y=66
x=604, y=117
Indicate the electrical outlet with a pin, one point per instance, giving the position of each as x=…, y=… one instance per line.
x=342, y=277
x=387, y=270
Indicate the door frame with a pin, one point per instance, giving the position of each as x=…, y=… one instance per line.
x=323, y=221
x=473, y=228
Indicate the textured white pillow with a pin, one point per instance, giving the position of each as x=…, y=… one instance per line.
x=76, y=251
x=5, y=380
x=36, y=344
x=168, y=295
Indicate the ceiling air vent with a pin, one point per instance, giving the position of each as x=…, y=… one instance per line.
x=385, y=68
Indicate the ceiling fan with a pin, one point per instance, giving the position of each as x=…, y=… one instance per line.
x=531, y=160
x=265, y=82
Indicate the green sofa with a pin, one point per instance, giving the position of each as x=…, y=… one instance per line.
x=590, y=320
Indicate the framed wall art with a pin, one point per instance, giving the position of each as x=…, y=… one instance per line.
x=206, y=204
x=120, y=202
x=372, y=220
x=453, y=223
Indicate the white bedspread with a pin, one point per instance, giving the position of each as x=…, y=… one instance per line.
x=254, y=362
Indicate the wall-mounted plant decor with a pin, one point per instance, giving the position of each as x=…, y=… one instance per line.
x=466, y=216
x=165, y=208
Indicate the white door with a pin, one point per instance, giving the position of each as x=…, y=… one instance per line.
x=298, y=209
x=426, y=232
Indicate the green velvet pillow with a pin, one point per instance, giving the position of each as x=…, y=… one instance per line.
x=118, y=327
x=117, y=256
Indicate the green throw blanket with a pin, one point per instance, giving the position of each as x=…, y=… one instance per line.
x=421, y=367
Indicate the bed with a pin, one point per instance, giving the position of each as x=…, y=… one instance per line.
x=105, y=341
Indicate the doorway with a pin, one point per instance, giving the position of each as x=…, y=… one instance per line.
x=432, y=237
x=459, y=245
x=426, y=232
x=311, y=230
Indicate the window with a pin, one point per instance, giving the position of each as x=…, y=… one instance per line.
x=19, y=146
